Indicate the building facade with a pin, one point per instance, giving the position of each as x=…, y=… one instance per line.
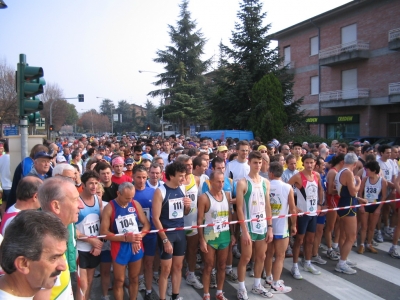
x=346, y=65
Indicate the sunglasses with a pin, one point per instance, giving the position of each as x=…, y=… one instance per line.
x=263, y=151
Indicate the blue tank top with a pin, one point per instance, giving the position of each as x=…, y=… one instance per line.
x=145, y=197
x=169, y=217
x=119, y=224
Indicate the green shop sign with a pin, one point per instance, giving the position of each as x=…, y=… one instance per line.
x=333, y=119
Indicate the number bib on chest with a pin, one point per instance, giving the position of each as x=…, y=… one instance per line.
x=92, y=228
x=175, y=208
x=146, y=211
x=127, y=224
x=193, y=197
x=258, y=226
x=219, y=227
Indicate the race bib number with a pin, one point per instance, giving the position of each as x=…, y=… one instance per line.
x=146, y=211
x=260, y=225
x=92, y=228
x=387, y=175
x=219, y=226
x=192, y=197
x=127, y=224
x=175, y=208
x=312, y=205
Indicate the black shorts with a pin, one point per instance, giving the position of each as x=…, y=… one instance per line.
x=348, y=212
x=88, y=260
x=306, y=224
x=371, y=208
x=178, y=242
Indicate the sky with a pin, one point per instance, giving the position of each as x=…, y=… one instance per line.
x=97, y=47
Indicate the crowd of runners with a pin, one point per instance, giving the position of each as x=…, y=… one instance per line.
x=68, y=192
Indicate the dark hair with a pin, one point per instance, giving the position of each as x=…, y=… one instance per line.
x=101, y=166
x=174, y=167
x=276, y=168
x=255, y=155
x=318, y=163
x=91, y=151
x=144, y=160
x=76, y=167
x=242, y=143
x=351, y=149
x=308, y=156
x=297, y=145
x=382, y=148
x=27, y=187
x=289, y=157
x=74, y=154
x=232, y=156
x=137, y=148
x=370, y=157
x=337, y=159
x=37, y=148
x=276, y=157
x=89, y=174
x=197, y=161
x=343, y=145
x=139, y=168
x=25, y=234
x=216, y=160
x=373, y=166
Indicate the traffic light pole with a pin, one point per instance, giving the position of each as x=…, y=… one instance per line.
x=23, y=122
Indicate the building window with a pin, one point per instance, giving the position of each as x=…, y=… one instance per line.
x=342, y=131
x=349, y=33
x=314, y=85
x=314, y=45
x=349, y=84
x=286, y=55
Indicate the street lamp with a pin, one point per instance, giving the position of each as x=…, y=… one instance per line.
x=3, y=4
x=112, y=117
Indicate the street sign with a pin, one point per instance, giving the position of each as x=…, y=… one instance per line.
x=40, y=123
x=10, y=130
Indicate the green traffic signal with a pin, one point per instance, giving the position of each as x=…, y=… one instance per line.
x=81, y=98
x=33, y=116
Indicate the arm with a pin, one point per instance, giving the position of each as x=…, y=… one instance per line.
x=295, y=180
x=292, y=210
x=231, y=226
x=201, y=208
x=268, y=213
x=347, y=179
x=105, y=226
x=156, y=210
x=240, y=191
x=330, y=178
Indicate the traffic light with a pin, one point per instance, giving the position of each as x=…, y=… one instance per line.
x=148, y=127
x=51, y=128
x=81, y=98
x=33, y=116
x=29, y=84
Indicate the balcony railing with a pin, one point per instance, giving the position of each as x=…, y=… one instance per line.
x=338, y=49
x=288, y=64
x=394, y=88
x=394, y=34
x=344, y=94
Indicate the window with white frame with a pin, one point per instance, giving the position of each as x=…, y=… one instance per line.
x=314, y=85
x=314, y=45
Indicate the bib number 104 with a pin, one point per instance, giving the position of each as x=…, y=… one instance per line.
x=126, y=223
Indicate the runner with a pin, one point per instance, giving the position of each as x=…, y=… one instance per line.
x=213, y=208
x=252, y=200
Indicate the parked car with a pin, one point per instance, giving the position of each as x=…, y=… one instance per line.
x=391, y=141
x=362, y=139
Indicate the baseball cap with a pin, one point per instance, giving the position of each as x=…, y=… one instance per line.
x=222, y=148
x=43, y=154
x=61, y=159
x=129, y=161
x=102, y=148
x=84, y=135
x=147, y=156
x=261, y=147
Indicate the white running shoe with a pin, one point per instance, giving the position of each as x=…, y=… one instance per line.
x=280, y=288
x=350, y=263
x=193, y=281
x=260, y=290
x=318, y=260
x=393, y=253
x=251, y=271
x=242, y=295
x=310, y=268
x=332, y=255
x=378, y=236
x=142, y=286
x=296, y=273
x=268, y=281
x=345, y=268
x=236, y=252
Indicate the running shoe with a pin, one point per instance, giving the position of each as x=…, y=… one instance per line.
x=374, y=243
x=262, y=291
x=248, y=266
x=323, y=247
x=350, y=263
x=310, y=268
x=193, y=281
x=178, y=298
x=231, y=276
x=242, y=295
x=388, y=233
x=150, y=296
x=318, y=260
x=169, y=287
x=236, y=252
x=393, y=253
x=378, y=236
x=289, y=252
x=263, y=275
x=280, y=288
x=332, y=255
x=142, y=286
x=213, y=280
x=296, y=273
x=345, y=268
x=156, y=277
x=371, y=249
x=107, y=297
x=355, y=244
x=207, y=297
x=220, y=296
x=360, y=249
x=96, y=273
x=268, y=281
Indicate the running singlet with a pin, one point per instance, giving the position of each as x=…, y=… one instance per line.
x=88, y=223
x=148, y=184
x=373, y=192
x=192, y=192
x=144, y=197
x=172, y=209
x=279, y=199
x=254, y=205
x=307, y=195
x=10, y=214
x=237, y=170
x=62, y=289
x=343, y=191
x=388, y=169
x=216, y=214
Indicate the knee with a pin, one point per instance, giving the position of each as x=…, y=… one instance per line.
x=165, y=270
x=148, y=264
x=221, y=265
x=310, y=239
x=279, y=256
x=134, y=280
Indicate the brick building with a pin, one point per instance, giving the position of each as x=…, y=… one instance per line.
x=346, y=64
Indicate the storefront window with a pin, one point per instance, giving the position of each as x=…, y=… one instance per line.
x=342, y=131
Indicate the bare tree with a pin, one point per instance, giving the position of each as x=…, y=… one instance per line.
x=8, y=94
x=53, y=93
x=92, y=119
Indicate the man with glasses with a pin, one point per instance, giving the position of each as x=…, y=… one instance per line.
x=137, y=155
x=285, y=150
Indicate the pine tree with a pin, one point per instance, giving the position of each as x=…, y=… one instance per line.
x=182, y=83
x=244, y=64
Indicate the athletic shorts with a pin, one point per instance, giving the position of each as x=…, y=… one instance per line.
x=150, y=244
x=306, y=224
x=105, y=256
x=218, y=246
x=88, y=260
x=281, y=236
x=124, y=255
x=348, y=212
x=371, y=208
x=191, y=232
x=332, y=201
x=178, y=242
x=257, y=237
x=321, y=219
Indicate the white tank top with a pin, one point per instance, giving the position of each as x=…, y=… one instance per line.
x=217, y=213
x=279, y=199
x=372, y=191
x=307, y=195
x=192, y=192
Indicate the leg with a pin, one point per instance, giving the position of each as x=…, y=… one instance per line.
x=191, y=253
x=268, y=258
x=308, y=244
x=148, y=271
x=363, y=218
x=221, y=264
x=105, y=277
x=119, y=277
x=89, y=274
x=330, y=224
x=296, y=247
x=280, y=246
x=208, y=265
x=133, y=271
x=259, y=257
x=317, y=239
x=165, y=271
x=176, y=273
x=83, y=285
x=246, y=251
x=348, y=225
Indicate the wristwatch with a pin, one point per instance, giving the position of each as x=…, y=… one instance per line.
x=164, y=241
x=269, y=226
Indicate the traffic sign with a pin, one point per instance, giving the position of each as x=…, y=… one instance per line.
x=40, y=123
x=10, y=130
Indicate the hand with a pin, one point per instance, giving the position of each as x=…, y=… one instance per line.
x=362, y=200
x=358, y=180
x=95, y=242
x=270, y=235
x=203, y=246
x=232, y=201
x=168, y=247
x=233, y=239
x=293, y=230
x=246, y=237
x=136, y=246
x=298, y=210
x=131, y=237
x=187, y=201
x=95, y=252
